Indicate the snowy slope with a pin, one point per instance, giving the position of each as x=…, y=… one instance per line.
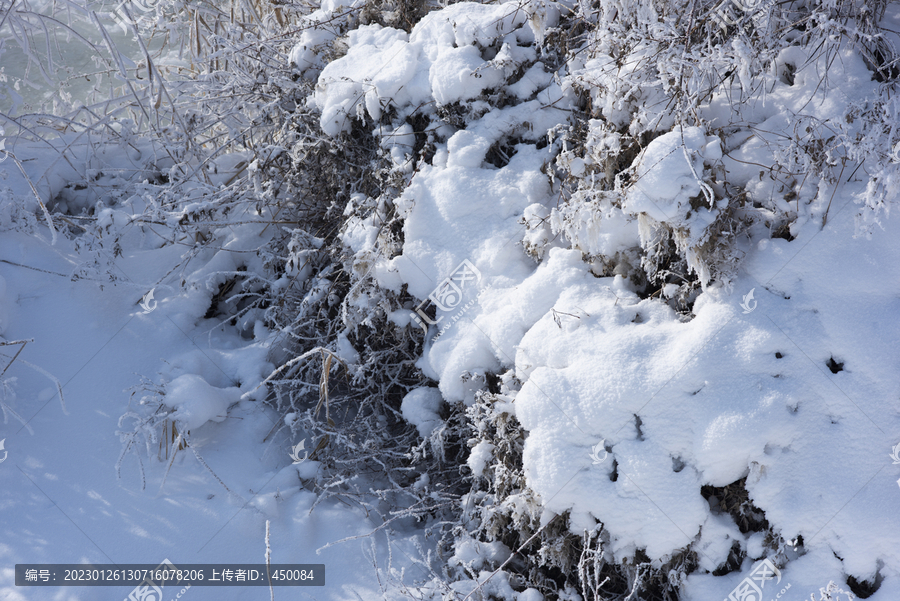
x=678, y=263
x=61, y=499
x=784, y=373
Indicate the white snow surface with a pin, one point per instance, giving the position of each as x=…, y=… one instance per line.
x=730, y=394
x=735, y=392
x=420, y=408
x=60, y=496
x=196, y=402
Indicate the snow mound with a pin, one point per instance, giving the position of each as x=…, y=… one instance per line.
x=477, y=555
x=691, y=396
x=196, y=402
x=668, y=174
x=480, y=457
x=420, y=407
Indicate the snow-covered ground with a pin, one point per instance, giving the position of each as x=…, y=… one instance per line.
x=62, y=502
x=784, y=376
x=643, y=420
x=61, y=499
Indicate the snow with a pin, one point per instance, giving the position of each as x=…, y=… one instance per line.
x=196, y=402
x=343, y=84
x=530, y=594
x=475, y=554
x=319, y=32
x=420, y=407
x=665, y=179
x=598, y=362
x=480, y=456
x=439, y=61
x=62, y=501
x=725, y=395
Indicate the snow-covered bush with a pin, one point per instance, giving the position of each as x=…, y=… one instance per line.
x=328, y=182
x=659, y=75
x=653, y=127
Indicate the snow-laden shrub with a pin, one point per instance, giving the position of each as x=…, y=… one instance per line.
x=384, y=119
x=662, y=168
x=667, y=69
x=635, y=137
x=500, y=507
